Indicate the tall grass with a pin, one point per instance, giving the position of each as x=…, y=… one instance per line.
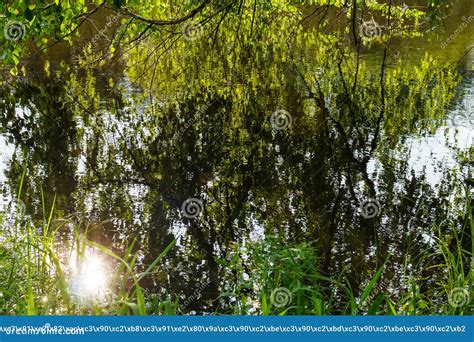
x=274, y=265
x=268, y=277
x=35, y=275
x=34, y=279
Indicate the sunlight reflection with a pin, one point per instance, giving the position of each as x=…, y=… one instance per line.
x=90, y=281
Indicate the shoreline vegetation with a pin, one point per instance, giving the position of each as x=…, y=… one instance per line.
x=232, y=157
x=36, y=277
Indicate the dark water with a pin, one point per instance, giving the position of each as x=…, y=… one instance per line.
x=234, y=132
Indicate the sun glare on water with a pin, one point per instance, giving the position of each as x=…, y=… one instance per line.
x=90, y=280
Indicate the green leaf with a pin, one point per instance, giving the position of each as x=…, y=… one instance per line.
x=372, y=282
x=157, y=260
x=14, y=71
x=31, y=309
x=374, y=308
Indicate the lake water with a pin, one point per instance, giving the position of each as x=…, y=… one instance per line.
x=221, y=144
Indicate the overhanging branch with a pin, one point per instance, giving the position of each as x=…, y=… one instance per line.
x=175, y=21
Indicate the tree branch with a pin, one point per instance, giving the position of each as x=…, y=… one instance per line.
x=175, y=21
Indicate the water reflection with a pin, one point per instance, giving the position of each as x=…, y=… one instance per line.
x=104, y=143
x=90, y=277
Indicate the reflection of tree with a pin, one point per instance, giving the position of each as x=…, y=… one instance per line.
x=202, y=130
x=43, y=129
